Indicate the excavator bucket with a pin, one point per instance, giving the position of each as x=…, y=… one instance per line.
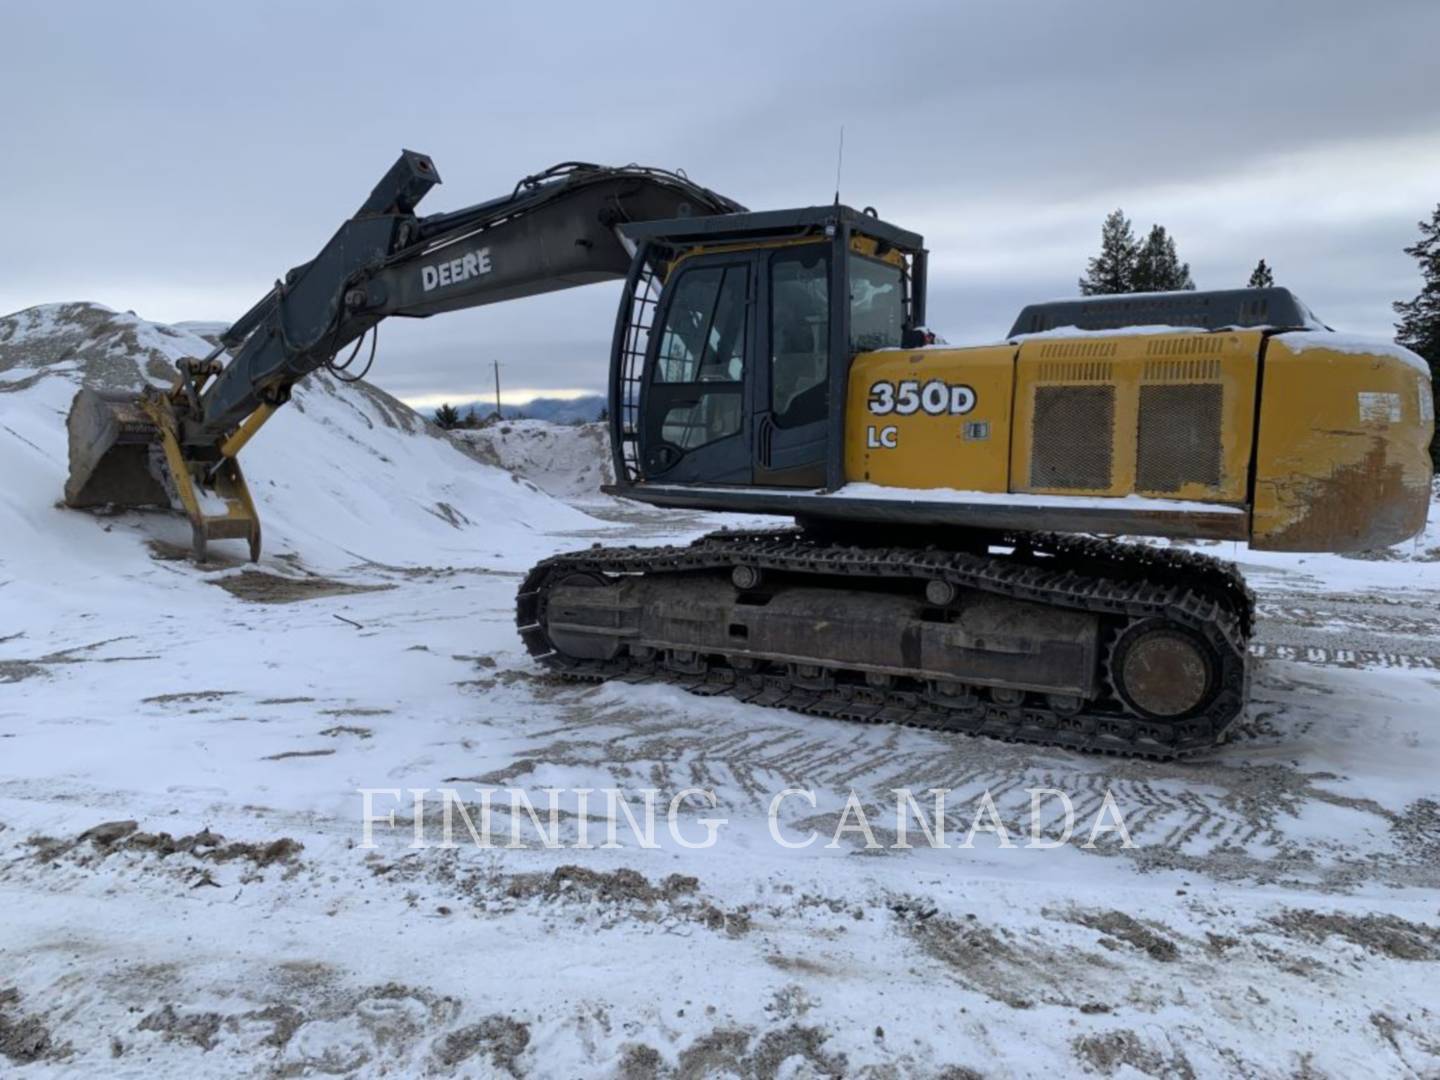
x=125, y=451
x=111, y=441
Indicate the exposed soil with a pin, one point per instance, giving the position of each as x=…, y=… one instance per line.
x=1122, y=927
x=260, y=588
x=1108, y=1053
x=729, y=1051
x=1014, y=968
x=19, y=670
x=288, y=754
x=623, y=885
x=200, y=1028
x=500, y=1037
x=347, y=729
x=1387, y=935
x=24, y=1038
x=115, y=836
x=188, y=697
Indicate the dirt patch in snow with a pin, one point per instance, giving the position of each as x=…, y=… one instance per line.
x=620, y=886
x=1015, y=968
x=261, y=588
x=607, y=897
x=348, y=729
x=288, y=754
x=19, y=670
x=729, y=1052
x=165, y=551
x=321, y=1027
x=499, y=1037
x=24, y=1038
x=188, y=697
x=677, y=894
x=1112, y=1051
x=112, y=837
x=1119, y=927
x=200, y=1028
x=1386, y=935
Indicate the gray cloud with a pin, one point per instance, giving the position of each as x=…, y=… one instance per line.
x=173, y=160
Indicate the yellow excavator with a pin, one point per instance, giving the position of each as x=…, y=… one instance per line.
x=951, y=562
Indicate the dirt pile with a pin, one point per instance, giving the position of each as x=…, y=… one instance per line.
x=24, y=1038
x=98, y=843
x=1386, y=935
x=566, y=460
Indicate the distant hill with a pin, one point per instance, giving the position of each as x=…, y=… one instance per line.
x=581, y=410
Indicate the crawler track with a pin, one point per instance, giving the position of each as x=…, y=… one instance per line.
x=1124, y=583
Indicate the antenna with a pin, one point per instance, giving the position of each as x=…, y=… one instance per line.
x=839, y=162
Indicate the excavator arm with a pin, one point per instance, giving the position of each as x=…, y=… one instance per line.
x=557, y=229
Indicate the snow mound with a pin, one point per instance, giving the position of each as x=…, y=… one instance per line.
x=570, y=461
x=346, y=475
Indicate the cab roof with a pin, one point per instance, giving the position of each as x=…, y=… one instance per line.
x=769, y=224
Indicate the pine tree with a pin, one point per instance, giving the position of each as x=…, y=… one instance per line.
x=447, y=416
x=1419, y=325
x=1157, y=267
x=1261, y=277
x=1113, y=270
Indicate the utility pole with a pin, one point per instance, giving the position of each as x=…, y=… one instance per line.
x=498, y=414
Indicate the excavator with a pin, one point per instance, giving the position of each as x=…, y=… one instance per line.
x=953, y=561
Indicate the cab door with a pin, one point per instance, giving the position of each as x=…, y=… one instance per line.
x=696, y=427
x=791, y=387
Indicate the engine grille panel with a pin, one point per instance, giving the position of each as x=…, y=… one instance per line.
x=1179, y=437
x=1073, y=431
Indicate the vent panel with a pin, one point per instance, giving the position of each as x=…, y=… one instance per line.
x=1078, y=350
x=1072, y=435
x=1179, y=437
x=1195, y=369
x=1189, y=345
x=1073, y=371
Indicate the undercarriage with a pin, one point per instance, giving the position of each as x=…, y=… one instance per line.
x=1074, y=642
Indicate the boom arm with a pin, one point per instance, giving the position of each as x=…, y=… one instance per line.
x=557, y=229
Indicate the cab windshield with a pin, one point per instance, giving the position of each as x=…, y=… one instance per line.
x=877, y=304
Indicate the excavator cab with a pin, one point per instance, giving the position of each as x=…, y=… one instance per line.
x=734, y=340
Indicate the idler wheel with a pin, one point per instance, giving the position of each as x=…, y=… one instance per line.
x=1161, y=671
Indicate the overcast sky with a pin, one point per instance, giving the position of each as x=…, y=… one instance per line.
x=174, y=159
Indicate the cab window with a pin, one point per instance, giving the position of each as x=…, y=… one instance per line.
x=702, y=345
x=877, y=304
x=799, y=337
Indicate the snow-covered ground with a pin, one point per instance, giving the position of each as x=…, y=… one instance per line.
x=186, y=890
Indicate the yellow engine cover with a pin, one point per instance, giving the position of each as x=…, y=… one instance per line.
x=1170, y=416
x=1334, y=458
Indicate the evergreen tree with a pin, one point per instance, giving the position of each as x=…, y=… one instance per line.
x=447, y=416
x=1113, y=270
x=472, y=419
x=1261, y=277
x=1419, y=325
x=1157, y=267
